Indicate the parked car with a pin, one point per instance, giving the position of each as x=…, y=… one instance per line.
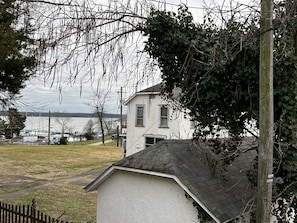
x=114, y=136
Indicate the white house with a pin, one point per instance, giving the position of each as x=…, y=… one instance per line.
x=171, y=182
x=151, y=119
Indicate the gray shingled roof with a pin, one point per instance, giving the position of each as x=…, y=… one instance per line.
x=223, y=191
x=155, y=88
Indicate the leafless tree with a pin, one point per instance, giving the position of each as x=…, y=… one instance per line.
x=63, y=123
x=98, y=102
x=90, y=42
x=109, y=126
x=89, y=130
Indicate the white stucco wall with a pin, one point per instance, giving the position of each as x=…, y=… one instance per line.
x=179, y=127
x=138, y=198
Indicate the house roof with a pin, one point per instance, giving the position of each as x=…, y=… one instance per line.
x=222, y=191
x=156, y=89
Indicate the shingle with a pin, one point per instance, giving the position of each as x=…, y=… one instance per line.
x=155, y=88
x=224, y=193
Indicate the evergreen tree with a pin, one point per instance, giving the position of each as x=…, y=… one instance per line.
x=17, y=60
x=16, y=122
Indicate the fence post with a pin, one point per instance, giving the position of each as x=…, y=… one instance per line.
x=28, y=214
x=15, y=213
x=1, y=211
x=19, y=213
x=33, y=211
x=9, y=212
x=24, y=213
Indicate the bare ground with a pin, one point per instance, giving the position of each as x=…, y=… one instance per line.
x=14, y=186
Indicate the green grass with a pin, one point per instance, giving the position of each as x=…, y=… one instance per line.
x=51, y=162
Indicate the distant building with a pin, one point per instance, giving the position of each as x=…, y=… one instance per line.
x=151, y=119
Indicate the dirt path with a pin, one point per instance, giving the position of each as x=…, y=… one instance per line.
x=11, y=183
x=82, y=179
x=100, y=143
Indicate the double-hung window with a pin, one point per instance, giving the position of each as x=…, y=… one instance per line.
x=163, y=116
x=140, y=115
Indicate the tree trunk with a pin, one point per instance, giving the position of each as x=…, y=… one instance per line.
x=100, y=117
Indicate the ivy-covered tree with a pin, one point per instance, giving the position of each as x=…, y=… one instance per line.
x=17, y=60
x=216, y=69
x=213, y=67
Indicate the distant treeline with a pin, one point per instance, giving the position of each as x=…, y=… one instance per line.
x=62, y=114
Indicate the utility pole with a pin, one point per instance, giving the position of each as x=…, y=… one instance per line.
x=49, y=127
x=265, y=154
x=121, y=110
x=121, y=117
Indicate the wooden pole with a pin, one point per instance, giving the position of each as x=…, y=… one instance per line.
x=265, y=155
x=121, y=111
x=49, y=128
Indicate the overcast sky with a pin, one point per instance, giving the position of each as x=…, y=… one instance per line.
x=40, y=97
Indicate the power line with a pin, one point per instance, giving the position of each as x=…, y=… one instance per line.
x=173, y=4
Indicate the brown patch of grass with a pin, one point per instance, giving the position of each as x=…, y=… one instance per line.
x=50, y=162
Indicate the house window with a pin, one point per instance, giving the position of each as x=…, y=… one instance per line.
x=151, y=140
x=139, y=115
x=163, y=116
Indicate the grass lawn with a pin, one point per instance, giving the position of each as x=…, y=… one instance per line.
x=51, y=162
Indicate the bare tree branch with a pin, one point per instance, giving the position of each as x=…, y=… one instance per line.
x=85, y=40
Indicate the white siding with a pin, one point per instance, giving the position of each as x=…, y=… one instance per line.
x=178, y=128
x=133, y=197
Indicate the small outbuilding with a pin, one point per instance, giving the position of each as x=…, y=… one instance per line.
x=174, y=181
